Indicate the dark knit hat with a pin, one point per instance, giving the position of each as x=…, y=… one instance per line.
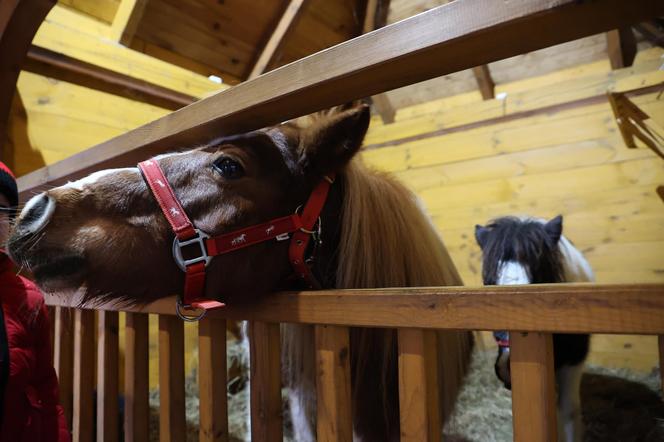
x=8, y=185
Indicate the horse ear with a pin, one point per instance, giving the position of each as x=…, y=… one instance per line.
x=330, y=143
x=554, y=228
x=481, y=235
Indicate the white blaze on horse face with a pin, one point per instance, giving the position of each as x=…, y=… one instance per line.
x=512, y=273
x=94, y=177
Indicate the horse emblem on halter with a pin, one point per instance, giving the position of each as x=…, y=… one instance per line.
x=269, y=230
x=239, y=239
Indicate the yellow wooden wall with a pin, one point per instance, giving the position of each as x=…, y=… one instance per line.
x=571, y=162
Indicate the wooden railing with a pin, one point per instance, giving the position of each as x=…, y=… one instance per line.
x=532, y=313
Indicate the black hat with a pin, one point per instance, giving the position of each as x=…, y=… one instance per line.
x=8, y=185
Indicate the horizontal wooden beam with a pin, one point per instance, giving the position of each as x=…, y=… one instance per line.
x=567, y=308
x=51, y=64
x=458, y=35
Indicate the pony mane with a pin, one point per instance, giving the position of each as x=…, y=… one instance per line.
x=387, y=240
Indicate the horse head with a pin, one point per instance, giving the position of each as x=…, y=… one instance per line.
x=104, y=236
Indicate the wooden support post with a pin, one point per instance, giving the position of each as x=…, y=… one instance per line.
x=212, y=380
x=485, y=82
x=265, y=378
x=107, y=377
x=278, y=37
x=172, y=424
x=375, y=17
x=137, y=408
x=126, y=20
x=63, y=357
x=621, y=46
x=419, y=406
x=333, y=384
x=84, y=381
x=533, y=387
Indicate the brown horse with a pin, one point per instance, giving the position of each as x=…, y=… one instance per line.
x=104, y=237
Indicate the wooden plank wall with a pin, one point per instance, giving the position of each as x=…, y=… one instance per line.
x=570, y=161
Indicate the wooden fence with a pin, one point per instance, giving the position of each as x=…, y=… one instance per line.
x=531, y=313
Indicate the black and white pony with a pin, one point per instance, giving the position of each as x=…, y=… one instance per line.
x=533, y=251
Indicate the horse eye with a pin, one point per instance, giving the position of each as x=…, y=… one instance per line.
x=228, y=168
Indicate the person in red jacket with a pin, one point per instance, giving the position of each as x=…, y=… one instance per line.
x=29, y=404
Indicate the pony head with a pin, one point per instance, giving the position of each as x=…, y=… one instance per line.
x=104, y=236
x=521, y=250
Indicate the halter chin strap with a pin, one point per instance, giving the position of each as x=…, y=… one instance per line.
x=186, y=234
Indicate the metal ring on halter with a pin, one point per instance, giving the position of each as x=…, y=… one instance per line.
x=179, y=307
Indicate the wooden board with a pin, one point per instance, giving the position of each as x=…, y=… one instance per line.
x=265, y=378
x=333, y=400
x=570, y=308
x=137, y=409
x=107, y=377
x=406, y=49
x=533, y=387
x=84, y=376
x=212, y=380
x=172, y=424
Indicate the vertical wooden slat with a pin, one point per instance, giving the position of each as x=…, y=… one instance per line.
x=533, y=387
x=137, y=411
x=84, y=370
x=419, y=404
x=212, y=380
x=63, y=358
x=107, y=377
x=266, y=418
x=51, y=318
x=333, y=384
x=660, y=340
x=172, y=424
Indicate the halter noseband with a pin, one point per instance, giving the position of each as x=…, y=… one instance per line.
x=301, y=225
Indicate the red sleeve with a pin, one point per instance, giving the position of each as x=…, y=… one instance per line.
x=46, y=382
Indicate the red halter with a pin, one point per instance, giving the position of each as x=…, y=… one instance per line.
x=300, y=225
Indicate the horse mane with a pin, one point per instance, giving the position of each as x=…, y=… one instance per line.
x=386, y=239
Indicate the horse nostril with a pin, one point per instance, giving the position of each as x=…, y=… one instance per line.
x=36, y=214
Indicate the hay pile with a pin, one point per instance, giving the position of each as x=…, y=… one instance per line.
x=618, y=405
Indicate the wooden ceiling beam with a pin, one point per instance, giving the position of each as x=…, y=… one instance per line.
x=446, y=39
x=375, y=17
x=651, y=32
x=621, y=46
x=126, y=20
x=485, y=82
x=48, y=63
x=286, y=23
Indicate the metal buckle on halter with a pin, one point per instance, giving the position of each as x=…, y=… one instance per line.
x=198, y=239
x=180, y=307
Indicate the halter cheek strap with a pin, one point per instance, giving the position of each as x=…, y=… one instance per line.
x=186, y=235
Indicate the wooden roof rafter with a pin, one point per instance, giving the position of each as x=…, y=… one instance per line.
x=459, y=35
x=375, y=17
x=286, y=23
x=126, y=20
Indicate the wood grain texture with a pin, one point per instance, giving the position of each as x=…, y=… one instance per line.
x=55, y=65
x=333, y=401
x=265, y=378
x=568, y=308
x=621, y=46
x=387, y=58
x=533, y=387
x=172, y=424
x=84, y=381
x=286, y=23
x=63, y=358
x=419, y=406
x=19, y=21
x=107, y=377
x=126, y=20
x=212, y=380
x=137, y=410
